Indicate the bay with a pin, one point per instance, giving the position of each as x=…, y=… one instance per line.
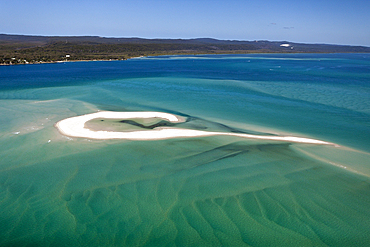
x=205, y=191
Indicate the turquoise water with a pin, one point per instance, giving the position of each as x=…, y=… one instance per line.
x=205, y=191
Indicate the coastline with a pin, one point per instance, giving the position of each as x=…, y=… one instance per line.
x=177, y=54
x=66, y=61
x=26, y=49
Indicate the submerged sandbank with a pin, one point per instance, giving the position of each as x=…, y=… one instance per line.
x=75, y=127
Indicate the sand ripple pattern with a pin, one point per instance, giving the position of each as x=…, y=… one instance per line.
x=183, y=193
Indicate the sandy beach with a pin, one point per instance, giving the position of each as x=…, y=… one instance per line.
x=75, y=127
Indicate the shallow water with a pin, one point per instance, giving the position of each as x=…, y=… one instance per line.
x=205, y=191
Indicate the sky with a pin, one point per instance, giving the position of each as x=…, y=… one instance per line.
x=305, y=21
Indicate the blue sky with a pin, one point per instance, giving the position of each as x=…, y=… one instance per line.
x=313, y=21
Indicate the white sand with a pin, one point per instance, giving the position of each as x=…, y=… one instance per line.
x=75, y=127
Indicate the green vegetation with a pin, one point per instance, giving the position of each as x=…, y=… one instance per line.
x=20, y=49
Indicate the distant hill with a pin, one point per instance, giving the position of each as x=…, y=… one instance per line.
x=20, y=49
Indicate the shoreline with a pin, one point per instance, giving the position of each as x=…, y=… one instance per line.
x=67, y=61
x=75, y=127
x=175, y=54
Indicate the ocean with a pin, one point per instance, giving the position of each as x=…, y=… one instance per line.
x=58, y=190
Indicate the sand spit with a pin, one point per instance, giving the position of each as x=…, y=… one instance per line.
x=75, y=127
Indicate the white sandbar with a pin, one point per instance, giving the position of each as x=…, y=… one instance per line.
x=75, y=127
